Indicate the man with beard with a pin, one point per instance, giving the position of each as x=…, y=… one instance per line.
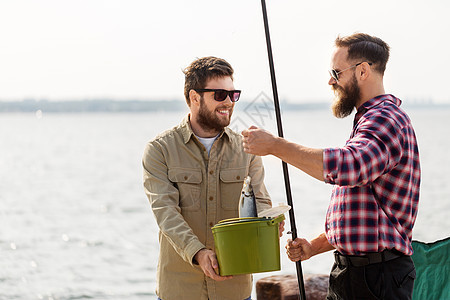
x=193, y=176
x=376, y=178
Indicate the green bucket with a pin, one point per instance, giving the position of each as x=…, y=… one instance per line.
x=247, y=245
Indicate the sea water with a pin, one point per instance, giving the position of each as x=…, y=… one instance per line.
x=75, y=222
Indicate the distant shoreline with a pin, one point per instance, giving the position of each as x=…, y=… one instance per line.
x=136, y=106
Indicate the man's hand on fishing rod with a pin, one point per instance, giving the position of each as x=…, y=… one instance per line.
x=207, y=260
x=301, y=249
x=258, y=141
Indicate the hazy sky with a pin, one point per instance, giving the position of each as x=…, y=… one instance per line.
x=121, y=49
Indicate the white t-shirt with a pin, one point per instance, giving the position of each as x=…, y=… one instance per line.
x=207, y=142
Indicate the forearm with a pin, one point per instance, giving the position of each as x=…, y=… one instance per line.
x=177, y=232
x=320, y=244
x=309, y=160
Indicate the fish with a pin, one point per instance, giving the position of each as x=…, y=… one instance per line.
x=247, y=201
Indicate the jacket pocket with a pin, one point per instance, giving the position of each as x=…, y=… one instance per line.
x=188, y=182
x=231, y=181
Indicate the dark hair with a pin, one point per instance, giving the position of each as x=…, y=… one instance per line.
x=203, y=69
x=366, y=48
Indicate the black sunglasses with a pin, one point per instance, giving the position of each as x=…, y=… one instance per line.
x=335, y=74
x=220, y=94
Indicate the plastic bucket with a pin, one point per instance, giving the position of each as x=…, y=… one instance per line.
x=247, y=245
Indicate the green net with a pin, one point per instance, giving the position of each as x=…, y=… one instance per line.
x=432, y=261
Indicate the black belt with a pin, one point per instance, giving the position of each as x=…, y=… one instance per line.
x=367, y=259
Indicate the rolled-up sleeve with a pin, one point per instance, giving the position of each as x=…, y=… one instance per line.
x=164, y=200
x=330, y=162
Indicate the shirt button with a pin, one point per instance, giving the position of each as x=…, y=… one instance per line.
x=238, y=177
x=211, y=198
x=211, y=224
x=211, y=172
x=185, y=177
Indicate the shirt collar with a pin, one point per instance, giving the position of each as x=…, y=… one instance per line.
x=187, y=132
x=375, y=102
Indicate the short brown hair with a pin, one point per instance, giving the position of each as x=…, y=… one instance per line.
x=367, y=48
x=203, y=69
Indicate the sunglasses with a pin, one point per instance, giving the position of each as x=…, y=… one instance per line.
x=335, y=74
x=220, y=94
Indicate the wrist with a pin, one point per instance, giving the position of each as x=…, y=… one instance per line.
x=196, y=257
x=276, y=146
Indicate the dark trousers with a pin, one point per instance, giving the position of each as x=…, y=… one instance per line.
x=393, y=279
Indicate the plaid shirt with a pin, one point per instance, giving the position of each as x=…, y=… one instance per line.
x=376, y=175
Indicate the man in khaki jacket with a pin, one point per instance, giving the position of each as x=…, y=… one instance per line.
x=193, y=176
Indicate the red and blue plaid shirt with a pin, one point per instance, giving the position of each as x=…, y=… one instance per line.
x=376, y=175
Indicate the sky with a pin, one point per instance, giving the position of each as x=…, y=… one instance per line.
x=136, y=49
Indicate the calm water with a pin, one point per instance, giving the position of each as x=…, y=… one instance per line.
x=75, y=223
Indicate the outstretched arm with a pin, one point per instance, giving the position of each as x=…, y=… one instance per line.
x=261, y=142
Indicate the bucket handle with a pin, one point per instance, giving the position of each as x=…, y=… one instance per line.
x=278, y=219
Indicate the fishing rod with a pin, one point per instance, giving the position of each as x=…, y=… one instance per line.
x=301, y=285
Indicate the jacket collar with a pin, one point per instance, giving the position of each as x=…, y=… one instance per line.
x=188, y=133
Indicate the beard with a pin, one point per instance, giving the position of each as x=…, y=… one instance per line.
x=209, y=120
x=345, y=98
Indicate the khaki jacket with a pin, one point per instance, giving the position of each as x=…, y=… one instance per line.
x=189, y=193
